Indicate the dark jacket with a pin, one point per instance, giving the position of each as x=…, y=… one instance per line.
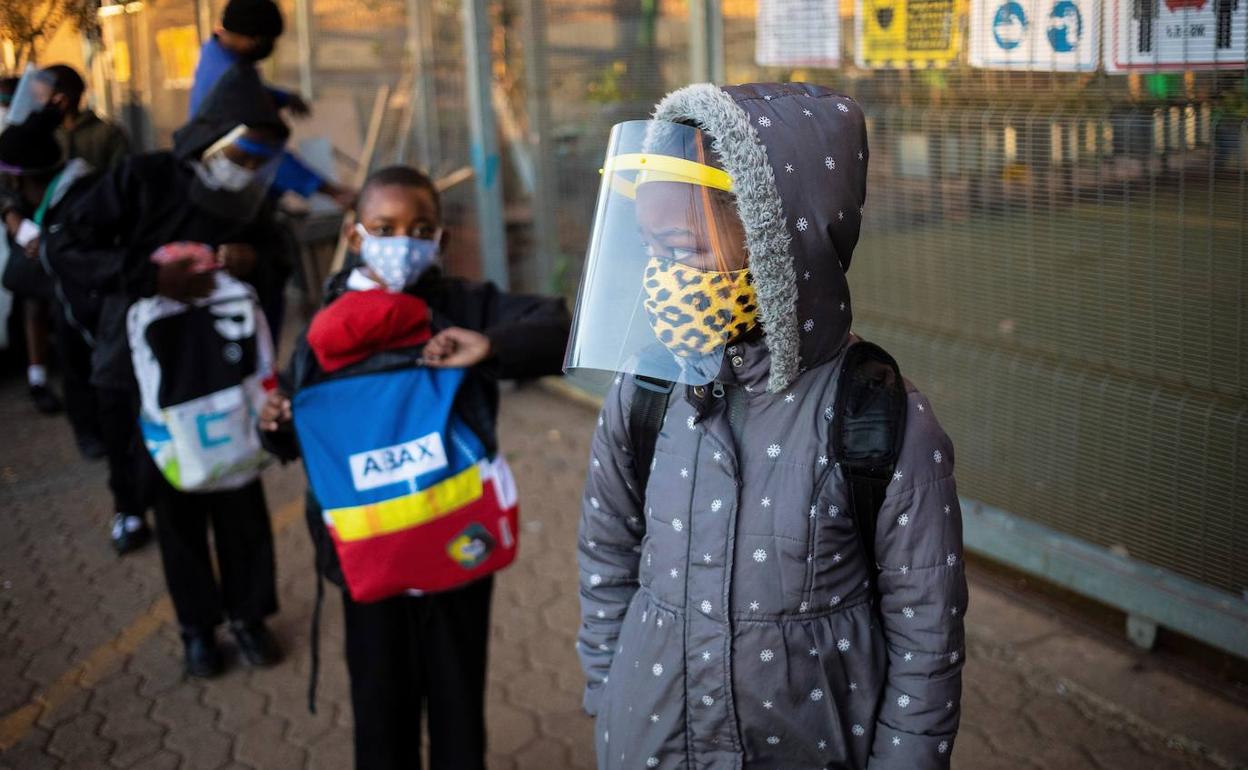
x=528, y=335
x=726, y=608
x=214, y=61
x=80, y=304
x=112, y=230
x=23, y=276
x=147, y=202
x=97, y=141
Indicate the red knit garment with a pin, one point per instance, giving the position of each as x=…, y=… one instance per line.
x=361, y=323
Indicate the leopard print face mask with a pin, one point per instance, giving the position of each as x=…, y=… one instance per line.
x=695, y=312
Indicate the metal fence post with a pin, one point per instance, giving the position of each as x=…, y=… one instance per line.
x=706, y=41
x=204, y=21
x=420, y=48
x=483, y=129
x=545, y=227
x=303, y=32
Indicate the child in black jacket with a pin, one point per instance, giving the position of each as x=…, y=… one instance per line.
x=411, y=651
x=211, y=190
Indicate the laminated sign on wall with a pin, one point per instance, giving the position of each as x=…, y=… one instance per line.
x=908, y=33
x=798, y=33
x=1043, y=35
x=1155, y=35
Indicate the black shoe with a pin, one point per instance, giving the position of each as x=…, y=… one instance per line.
x=45, y=400
x=203, y=656
x=256, y=643
x=129, y=533
x=91, y=446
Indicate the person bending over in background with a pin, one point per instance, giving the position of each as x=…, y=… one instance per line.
x=248, y=33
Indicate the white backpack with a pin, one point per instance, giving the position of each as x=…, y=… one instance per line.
x=203, y=371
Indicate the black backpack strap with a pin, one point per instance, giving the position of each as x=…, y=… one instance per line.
x=645, y=420
x=314, y=675
x=868, y=423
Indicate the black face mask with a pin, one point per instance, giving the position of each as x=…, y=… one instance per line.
x=52, y=111
x=262, y=50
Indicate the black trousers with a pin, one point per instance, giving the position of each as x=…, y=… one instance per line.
x=129, y=469
x=244, y=544
x=412, y=652
x=81, y=404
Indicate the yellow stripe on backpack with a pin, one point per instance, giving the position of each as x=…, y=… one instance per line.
x=364, y=521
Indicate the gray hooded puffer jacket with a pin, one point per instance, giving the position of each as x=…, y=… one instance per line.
x=726, y=620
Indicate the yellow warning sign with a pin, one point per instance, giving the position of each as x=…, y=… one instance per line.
x=121, y=61
x=897, y=34
x=179, y=53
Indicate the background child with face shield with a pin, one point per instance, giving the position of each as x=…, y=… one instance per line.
x=59, y=89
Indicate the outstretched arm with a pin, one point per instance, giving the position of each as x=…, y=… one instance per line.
x=528, y=334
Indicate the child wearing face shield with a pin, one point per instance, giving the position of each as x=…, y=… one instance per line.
x=391, y=311
x=209, y=192
x=82, y=133
x=770, y=544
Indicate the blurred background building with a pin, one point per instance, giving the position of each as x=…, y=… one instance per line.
x=1055, y=242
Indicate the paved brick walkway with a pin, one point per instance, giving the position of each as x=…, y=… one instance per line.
x=90, y=675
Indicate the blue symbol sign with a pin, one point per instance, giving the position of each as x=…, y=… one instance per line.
x=1009, y=26
x=1065, y=26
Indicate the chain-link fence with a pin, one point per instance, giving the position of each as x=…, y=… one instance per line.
x=1058, y=257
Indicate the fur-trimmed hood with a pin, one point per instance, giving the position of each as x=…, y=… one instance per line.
x=797, y=154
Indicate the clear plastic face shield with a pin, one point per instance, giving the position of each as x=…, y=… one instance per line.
x=234, y=174
x=665, y=286
x=25, y=100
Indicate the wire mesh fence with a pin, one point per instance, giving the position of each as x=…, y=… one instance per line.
x=1057, y=254
x=1056, y=232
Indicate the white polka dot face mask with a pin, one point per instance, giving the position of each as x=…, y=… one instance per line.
x=397, y=260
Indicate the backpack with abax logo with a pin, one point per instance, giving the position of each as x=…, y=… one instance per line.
x=203, y=371
x=411, y=496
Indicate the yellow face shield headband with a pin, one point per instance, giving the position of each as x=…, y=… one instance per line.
x=662, y=168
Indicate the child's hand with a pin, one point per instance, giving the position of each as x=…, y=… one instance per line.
x=182, y=281
x=298, y=107
x=276, y=411
x=239, y=259
x=12, y=221
x=456, y=348
x=343, y=196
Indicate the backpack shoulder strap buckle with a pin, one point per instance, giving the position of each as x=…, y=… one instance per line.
x=654, y=384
